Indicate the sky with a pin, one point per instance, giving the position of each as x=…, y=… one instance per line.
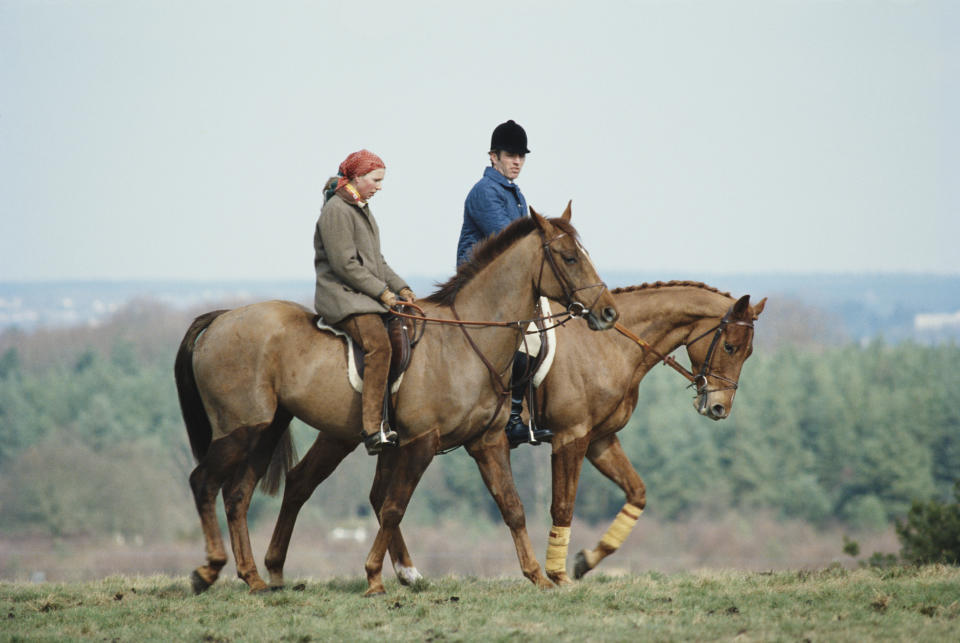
x=190, y=140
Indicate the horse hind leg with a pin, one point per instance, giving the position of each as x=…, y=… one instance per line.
x=258, y=444
x=205, y=487
x=217, y=470
x=302, y=480
x=612, y=462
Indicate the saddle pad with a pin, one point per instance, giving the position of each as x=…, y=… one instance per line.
x=532, y=346
x=352, y=374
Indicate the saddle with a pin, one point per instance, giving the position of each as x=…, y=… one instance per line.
x=401, y=334
x=401, y=348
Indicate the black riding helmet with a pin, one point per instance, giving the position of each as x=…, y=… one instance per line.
x=509, y=137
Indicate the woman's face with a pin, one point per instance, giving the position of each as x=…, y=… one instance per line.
x=370, y=183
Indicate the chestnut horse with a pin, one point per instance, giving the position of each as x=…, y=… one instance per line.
x=585, y=410
x=243, y=374
x=585, y=406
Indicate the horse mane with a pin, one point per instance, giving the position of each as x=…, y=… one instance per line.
x=671, y=284
x=488, y=250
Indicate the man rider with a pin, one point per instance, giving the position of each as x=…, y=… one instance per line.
x=492, y=204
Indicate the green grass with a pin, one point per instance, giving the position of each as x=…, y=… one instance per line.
x=902, y=603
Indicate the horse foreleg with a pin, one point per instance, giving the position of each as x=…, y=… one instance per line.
x=403, y=565
x=302, y=480
x=566, y=462
x=609, y=459
x=493, y=460
x=407, y=463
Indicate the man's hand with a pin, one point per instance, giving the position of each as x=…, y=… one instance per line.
x=388, y=298
x=407, y=295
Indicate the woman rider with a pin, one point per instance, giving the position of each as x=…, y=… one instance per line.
x=355, y=286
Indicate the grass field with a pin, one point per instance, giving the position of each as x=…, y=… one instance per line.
x=836, y=604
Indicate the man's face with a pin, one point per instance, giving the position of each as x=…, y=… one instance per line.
x=369, y=184
x=508, y=163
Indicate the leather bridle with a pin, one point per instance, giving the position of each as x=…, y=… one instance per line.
x=700, y=379
x=574, y=308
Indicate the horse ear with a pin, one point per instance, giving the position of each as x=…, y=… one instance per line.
x=566, y=213
x=541, y=222
x=741, y=309
x=759, y=308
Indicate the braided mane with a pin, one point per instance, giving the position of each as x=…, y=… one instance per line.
x=488, y=250
x=669, y=284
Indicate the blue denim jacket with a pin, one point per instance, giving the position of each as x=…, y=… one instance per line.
x=491, y=205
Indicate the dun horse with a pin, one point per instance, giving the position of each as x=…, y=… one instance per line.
x=585, y=406
x=243, y=374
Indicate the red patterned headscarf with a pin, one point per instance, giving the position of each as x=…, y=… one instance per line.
x=358, y=164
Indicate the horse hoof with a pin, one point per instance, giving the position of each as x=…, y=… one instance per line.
x=198, y=583
x=580, y=566
x=374, y=591
x=407, y=575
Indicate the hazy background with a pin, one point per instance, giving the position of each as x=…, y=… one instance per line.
x=186, y=140
x=159, y=159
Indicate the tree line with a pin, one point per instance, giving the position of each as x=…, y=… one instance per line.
x=91, y=439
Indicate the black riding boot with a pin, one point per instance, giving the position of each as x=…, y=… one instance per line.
x=519, y=432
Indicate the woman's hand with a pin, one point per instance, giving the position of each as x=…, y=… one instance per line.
x=407, y=295
x=388, y=298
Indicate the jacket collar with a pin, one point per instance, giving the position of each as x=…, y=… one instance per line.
x=491, y=173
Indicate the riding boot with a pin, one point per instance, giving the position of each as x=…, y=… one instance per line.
x=384, y=437
x=518, y=432
x=370, y=334
x=376, y=432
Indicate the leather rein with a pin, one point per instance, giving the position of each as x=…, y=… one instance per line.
x=698, y=380
x=574, y=309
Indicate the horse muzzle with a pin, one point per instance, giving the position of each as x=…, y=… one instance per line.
x=715, y=411
x=604, y=321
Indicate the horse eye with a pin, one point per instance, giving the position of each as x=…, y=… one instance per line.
x=569, y=260
x=730, y=348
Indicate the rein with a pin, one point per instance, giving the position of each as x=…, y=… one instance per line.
x=700, y=379
x=421, y=316
x=574, y=309
x=668, y=360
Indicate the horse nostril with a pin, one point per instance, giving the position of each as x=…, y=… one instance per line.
x=610, y=314
x=718, y=410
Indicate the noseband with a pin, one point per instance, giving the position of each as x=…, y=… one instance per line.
x=574, y=308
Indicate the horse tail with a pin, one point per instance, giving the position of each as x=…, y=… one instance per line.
x=284, y=455
x=191, y=405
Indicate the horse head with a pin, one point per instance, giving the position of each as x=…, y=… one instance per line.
x=572, y=278
x=717, y=354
